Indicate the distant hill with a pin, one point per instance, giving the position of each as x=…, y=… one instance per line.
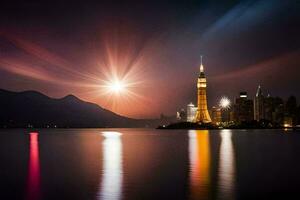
x=31, y=108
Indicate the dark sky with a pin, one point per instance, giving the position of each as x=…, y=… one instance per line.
x=154, y=47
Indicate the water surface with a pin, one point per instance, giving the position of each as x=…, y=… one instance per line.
x=113, y=164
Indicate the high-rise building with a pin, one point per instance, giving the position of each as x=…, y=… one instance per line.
x=225, y=115
x=272, y=104
x=291, y=109
x=273, y=110
x=191, y=112
x=259, y=111
x=202, y=115
x=243, y=108
x=268, y=108
x=278, y=111
x=216, y=115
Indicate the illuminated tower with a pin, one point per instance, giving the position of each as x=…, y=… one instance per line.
x=202, y=115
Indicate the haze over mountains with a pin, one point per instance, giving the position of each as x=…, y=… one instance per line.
x=34, y=109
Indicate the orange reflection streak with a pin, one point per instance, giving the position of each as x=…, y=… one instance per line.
x=33, y=181
x=199, y=151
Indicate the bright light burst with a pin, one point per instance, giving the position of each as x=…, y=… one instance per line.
x=120, y=91
x=124, y=75
x=225, y=103
x=116, y=86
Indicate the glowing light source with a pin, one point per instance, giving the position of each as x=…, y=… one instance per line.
x=201, y=68
x=225, y=103
x=116, y=86
x=120, y=91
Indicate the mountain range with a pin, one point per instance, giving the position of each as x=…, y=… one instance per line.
x=35, y=110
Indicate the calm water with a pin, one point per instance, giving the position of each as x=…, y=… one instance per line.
x=149, y=164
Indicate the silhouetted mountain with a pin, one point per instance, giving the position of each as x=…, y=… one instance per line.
x=31, y=108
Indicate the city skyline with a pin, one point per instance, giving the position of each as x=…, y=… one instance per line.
x=129, y=100
x=75, y=50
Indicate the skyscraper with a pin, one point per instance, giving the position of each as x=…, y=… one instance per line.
x=243, y=108
x=259, y=111
x=216, y=115
x=202, y=115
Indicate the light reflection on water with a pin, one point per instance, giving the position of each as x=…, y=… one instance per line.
x=148, y=164
x=199, y=154
x=226, y=171
x=33, y=179
x=200, y=165
x=112, y=174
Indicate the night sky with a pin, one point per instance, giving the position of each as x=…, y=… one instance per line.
x=73, y=48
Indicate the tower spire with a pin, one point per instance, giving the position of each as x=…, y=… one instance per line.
x=201, y=59
x=201, y=65
x=202, y=114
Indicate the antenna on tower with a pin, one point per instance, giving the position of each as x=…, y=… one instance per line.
x=201, y=59
x=201, y=65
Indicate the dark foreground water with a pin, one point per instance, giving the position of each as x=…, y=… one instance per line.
x=149, y=164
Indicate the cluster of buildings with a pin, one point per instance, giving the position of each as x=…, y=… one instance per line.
x=261, y=108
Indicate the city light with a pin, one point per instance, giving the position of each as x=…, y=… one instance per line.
x=225, y=103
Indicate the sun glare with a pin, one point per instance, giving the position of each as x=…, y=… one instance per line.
x=120, y=83
x=116, y=86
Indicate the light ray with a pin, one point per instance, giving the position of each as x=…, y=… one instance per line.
x=120, y=75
